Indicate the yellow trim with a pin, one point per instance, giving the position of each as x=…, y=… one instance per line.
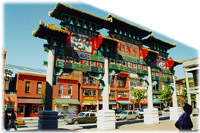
x=173, y=44
x=110, y=18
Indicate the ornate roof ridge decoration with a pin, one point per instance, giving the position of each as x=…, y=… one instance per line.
x=113, y=19
x=49, y=29
x=152, y=38
x=67, y=9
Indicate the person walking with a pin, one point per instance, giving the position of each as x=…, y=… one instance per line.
x=12, y=121
x=184, y=122
x=6, y=120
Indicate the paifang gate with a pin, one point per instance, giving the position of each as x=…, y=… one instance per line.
x=77, y=45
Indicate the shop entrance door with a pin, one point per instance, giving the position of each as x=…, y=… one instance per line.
x=27, y=110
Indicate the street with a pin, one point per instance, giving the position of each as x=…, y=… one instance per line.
x=137, y=124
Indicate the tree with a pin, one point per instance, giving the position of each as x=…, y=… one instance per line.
x=42, y=97
x=166, y=94
x=138, y=95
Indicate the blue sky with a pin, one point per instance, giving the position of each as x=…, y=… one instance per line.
x=25, y=50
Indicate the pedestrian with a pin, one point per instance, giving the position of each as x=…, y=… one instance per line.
x=184, y=122
x=6, y=120
x=12, y=121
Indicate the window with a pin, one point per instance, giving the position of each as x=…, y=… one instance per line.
x=100, y=93
x=112, y=81
x=92, y=115
x=27, y=87
x=88, y=80
x=122, y=94
x=60, y=88
x=20, y=110
x=35, y=109
x=40, y=108
x=130, y=113
x=39, y=87
x=112, y=94
x=70, y=90
x=121, y=81
x=89, y=92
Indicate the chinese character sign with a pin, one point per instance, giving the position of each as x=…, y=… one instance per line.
x=128, y=49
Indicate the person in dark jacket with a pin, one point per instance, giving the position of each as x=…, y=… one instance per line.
x=12, y=121
x=184, y=122
x=6, y=120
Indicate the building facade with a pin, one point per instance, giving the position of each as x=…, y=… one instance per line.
x=91, y=93
x=30, y=88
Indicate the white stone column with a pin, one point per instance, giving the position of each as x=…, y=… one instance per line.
x=106, y=117
x=150, y=114
x=175, y=111
x=187, y=86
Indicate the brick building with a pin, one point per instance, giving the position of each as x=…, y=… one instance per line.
x=29, y=88
x=91, y=98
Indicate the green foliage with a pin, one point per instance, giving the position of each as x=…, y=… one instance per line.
x=166, y=94
x=42, y=97
x=138, y=94
x=184, y=94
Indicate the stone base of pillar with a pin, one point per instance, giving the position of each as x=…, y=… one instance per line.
x=175, y=112
x=48, y=120
x=151, y=116
x=106, y=120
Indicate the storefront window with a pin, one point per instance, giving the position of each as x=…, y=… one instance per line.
x=35, y=109
x=27, y=87
x=89, y=92
x=20, y=110
x=39, y=86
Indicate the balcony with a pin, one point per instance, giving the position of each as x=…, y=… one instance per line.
x=66, y=96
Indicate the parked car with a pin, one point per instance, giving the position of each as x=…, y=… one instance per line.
x=166, y=109
x=140, y=113
x=195, y=112
x=83, y=117
x=63, y=114
x=19, y=121
x=118, y=111
x=159, y=110
x=126, y=115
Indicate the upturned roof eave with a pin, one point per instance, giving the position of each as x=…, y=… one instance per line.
x=113, y=20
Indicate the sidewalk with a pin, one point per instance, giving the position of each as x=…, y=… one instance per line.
x=165, y=125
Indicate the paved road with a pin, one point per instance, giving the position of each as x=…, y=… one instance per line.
x=130, y=125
